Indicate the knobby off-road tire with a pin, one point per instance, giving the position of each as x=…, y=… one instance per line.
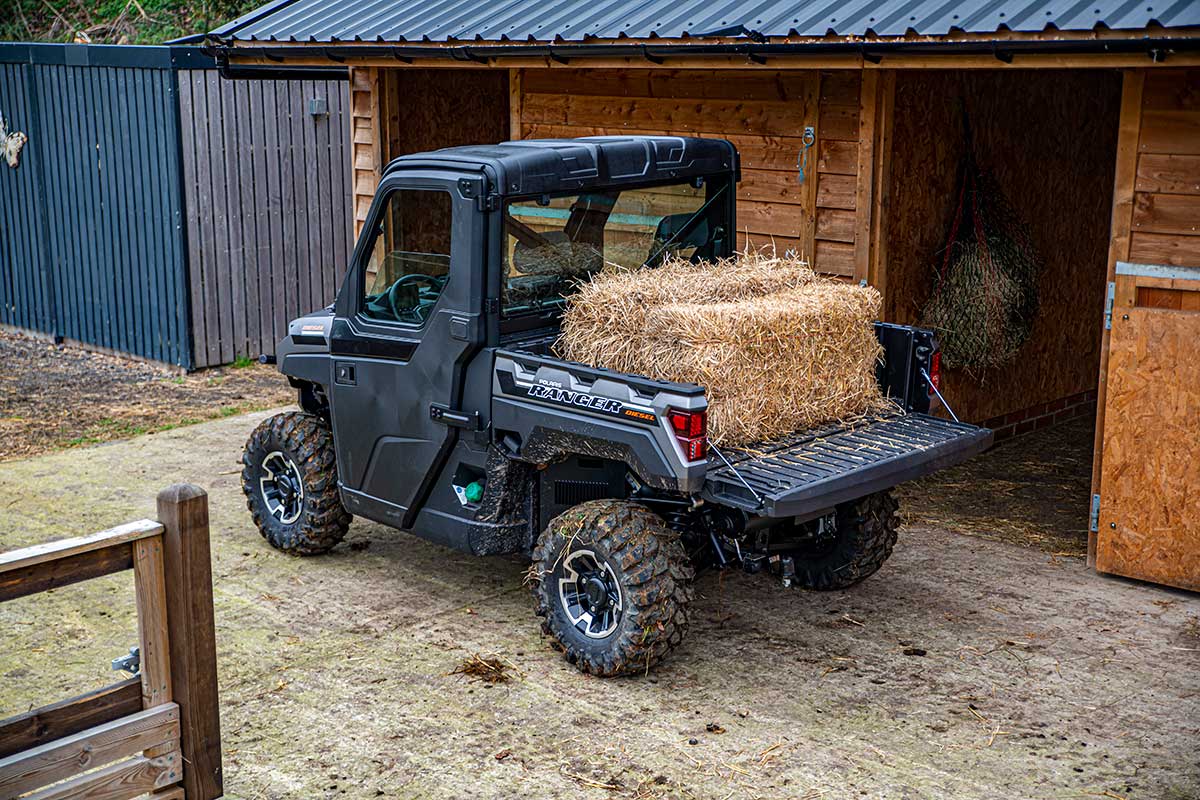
x=866, y=534
x=287, y=449
x=630, y=547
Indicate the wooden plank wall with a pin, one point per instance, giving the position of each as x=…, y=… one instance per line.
x=839, y=167
x=399, y=111
x=1050, y=139
x=763, y=112
x=365, y=156
x=268, y=207
x=1165, y=227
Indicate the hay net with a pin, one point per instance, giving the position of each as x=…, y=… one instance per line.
x=985, y=295
x=777, y=348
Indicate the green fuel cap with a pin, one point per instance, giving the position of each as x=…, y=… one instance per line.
x=474, y=492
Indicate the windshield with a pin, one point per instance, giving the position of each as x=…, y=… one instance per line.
x=554, y=243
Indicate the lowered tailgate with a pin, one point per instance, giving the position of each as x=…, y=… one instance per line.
x=812, y=472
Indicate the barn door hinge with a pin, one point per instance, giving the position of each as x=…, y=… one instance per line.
x=1094, y=517
x=1108, y=305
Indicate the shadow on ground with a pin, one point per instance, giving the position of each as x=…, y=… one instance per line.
x=965, y=669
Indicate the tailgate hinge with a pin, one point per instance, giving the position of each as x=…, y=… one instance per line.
x=1094, y=517
x=1108, y=305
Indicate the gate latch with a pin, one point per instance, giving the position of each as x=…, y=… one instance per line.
x=1108, y=305
x=131, y=663
x=1094, y=517
x=806, y=142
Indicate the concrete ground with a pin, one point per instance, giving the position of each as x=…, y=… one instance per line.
x=966, y=668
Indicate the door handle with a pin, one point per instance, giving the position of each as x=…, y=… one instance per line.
x=455, y=419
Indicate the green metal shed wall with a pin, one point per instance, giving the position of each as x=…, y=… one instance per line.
x=92, y=241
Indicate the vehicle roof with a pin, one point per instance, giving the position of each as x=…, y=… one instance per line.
x=547, y=166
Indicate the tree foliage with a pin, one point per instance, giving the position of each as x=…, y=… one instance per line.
x=116, y=21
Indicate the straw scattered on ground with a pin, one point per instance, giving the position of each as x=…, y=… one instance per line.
x=1032, y=490
x=489, y=670
x=777, y=347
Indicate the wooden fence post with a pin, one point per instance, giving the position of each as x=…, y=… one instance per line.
x=183, y=512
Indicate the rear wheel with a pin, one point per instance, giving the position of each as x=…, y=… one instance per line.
x=612, y=584
x=850, y=545
x=289, y=476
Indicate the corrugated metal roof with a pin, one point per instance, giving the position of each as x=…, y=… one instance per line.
x=498, y=21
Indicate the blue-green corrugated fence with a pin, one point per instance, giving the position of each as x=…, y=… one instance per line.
x=147, y=214
x=92, y=239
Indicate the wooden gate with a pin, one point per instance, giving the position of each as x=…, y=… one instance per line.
x=1148, y=525
x=155, y=735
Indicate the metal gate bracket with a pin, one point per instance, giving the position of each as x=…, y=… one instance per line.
x=1094, y=518
x=1108, y=305
x=131, y=663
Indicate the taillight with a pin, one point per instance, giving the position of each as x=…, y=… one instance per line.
x=691, y=430
x=935, y=373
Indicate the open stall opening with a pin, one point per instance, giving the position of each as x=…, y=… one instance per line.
x=1048, y=139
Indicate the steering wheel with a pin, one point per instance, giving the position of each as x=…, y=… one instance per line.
x=393, y=294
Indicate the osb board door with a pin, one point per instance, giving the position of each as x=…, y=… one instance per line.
x=1149, y=521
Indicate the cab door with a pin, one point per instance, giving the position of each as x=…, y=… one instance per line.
x=406, y=324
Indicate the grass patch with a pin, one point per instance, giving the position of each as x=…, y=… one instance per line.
x=242, y=362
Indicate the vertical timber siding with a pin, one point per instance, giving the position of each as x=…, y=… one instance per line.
x=92, y=243
x=163, y=211
x=269, y=207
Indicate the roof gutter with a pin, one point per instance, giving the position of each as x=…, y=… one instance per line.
x=1156, y=49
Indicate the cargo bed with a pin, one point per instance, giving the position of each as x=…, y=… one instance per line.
x=814, y=471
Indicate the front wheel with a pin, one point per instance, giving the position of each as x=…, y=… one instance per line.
x=612, y=584
x=289, y=476
x=850, y=545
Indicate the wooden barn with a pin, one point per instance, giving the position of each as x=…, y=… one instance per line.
x=854, y=122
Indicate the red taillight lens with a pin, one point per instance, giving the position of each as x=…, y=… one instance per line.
x=691, y=429
x=689, y=424
x=935, y=373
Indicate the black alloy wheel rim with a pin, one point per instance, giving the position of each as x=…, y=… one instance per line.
x=590, y=594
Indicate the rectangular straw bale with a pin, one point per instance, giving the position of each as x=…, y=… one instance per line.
x=777, y=348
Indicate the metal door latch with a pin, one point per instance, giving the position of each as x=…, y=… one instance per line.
x=806, y=142
x=1094, y=517
x=131, y=663
x=439, y=412
x=1108, y=305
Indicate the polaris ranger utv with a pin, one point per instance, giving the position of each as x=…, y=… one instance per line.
x=431, y=401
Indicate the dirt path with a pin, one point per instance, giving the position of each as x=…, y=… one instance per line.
x=1038, y=679
x=55, y=396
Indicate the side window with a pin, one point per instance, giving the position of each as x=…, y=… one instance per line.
x=409, y=260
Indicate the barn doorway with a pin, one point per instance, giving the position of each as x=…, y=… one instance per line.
x=1048, y=139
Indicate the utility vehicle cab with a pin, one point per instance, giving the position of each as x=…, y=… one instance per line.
x=432, y=402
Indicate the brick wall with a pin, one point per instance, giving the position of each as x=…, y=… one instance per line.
x=1043, y=415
